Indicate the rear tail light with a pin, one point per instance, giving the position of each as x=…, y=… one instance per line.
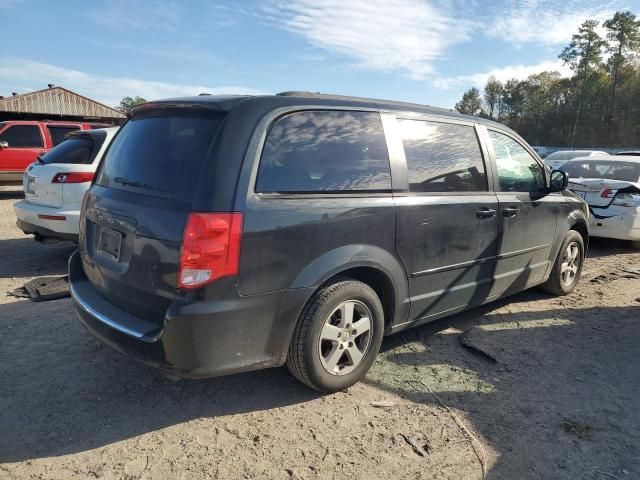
x=608, y=193
x=210, y=248
x=72, y=177
x=627, y=200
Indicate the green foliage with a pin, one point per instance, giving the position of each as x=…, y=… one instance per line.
x=129, y=102
x=471, y=103
x=598, y=106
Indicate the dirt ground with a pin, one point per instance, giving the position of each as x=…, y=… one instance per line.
x=560, y=401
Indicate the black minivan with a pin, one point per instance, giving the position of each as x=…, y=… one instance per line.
x=230, y=233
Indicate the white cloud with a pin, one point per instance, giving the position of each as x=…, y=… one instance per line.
x=108, y=90
x=546, y=22
x=405, y=36
x=150, y=15
x=519, y=72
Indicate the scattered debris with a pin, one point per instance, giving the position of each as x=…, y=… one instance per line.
x=383, y=404
x=580, y=430
x=610, y=475
x=417, y=448
x=44, y=288
x=631, y=273
x=469, y=340
x=482, y=455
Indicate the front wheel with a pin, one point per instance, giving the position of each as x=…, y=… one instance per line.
x=568, y=265
x=337, y=336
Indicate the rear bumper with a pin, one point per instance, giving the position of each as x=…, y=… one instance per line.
x=622, y=223
x=29, y=220
x=198, y=338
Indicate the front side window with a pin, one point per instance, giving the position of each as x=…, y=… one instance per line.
x=58, y=133
x=22, y=136
x=442, y=157
x=325, y=151
x=518, y=171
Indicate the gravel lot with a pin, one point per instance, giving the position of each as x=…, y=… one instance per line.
x=562, y=399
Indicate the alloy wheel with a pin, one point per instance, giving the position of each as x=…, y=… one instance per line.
x=570, y=264
x=345, y=337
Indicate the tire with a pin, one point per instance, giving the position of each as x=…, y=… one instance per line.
x=557, y=284
x=323, y=349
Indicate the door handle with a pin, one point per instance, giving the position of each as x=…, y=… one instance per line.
x=510, y=212
x=485, y=213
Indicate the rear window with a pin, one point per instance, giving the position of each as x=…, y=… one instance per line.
x=325, y=151
x=79, y=150
x=160, y=154
x=625, y=171
x=58, y=133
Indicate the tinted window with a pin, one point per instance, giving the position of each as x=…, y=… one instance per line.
x=325, y=151
x=627, y=171
x=58, y=133
x=442, y=157
x=160, y=155
x=518, y=171
x=74, y=150
x=22, y=136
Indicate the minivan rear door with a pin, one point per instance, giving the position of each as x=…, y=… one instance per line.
x=447, y=223
x=134, y=215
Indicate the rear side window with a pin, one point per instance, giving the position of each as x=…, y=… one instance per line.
x=80, y=150
x=442, y=157
x=58, y=133
x=325, y=151
x=22, y=136
x=160, y=154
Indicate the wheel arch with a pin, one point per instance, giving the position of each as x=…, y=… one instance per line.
x=369, y=264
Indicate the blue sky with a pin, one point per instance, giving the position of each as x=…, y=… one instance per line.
x=425, y=51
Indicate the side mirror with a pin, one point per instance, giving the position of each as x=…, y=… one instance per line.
x=4, y=144
x=559, y=181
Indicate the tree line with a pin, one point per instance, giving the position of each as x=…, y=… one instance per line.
x=598, y=106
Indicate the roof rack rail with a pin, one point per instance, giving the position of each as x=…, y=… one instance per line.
x=298, y=93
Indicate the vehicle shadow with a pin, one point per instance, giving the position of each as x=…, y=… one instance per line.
x=24, y=257
x=605, y=247
x=565, y=381
x=64, y=392
x=12, y=192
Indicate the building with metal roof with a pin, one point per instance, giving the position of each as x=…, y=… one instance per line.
x=57, y=103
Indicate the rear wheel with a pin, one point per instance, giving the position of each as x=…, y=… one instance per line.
x=337, y=336
x=568, y=265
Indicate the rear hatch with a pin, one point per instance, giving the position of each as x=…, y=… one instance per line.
x=44, y=179
x=134, y=215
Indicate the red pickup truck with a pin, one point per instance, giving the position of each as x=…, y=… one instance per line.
x=22, y=141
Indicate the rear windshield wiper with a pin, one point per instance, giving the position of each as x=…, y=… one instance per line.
x=136, y=184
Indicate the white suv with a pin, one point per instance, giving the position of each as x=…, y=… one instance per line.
x=55, y=184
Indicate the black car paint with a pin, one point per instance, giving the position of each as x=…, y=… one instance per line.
x=438, y=253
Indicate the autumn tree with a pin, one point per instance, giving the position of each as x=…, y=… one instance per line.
x=623, y=34
x=471, y=103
